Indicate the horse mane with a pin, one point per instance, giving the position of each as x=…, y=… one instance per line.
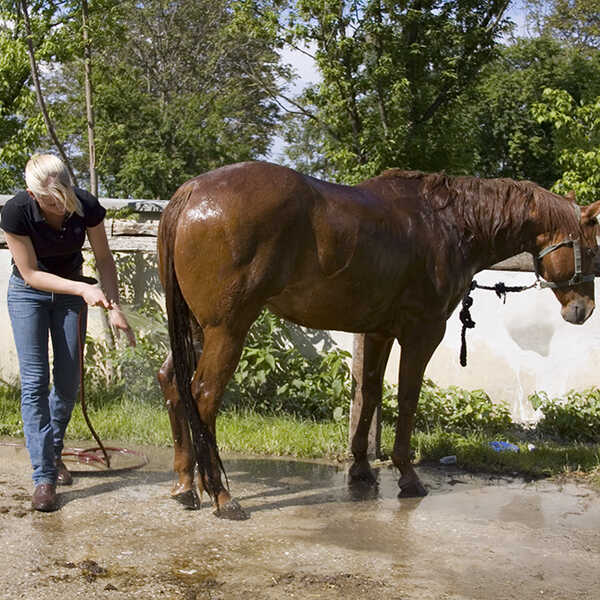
x=489, y=206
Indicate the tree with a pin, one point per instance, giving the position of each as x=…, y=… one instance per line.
x=573, y=22
x=20, y=126
x=507, y=139
x=175, y=86
x=577, y=127
x=391, y=76
x=52, y=34
x=174, y=94
x=23, y=13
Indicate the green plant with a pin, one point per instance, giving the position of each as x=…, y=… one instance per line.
x=125, y=212
x=574, y=418
x=10, y=414
x=451, y=409
x=274, y=376
x=113, y=371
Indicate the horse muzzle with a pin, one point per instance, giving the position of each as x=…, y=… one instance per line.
x=577, y=311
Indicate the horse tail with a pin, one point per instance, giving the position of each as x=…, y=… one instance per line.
x=179, y=318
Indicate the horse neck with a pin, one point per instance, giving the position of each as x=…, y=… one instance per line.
x=493, y=231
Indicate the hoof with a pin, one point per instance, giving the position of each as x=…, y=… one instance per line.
x=189, y=499
x=232, y=510
x=362, y=473
x=412, y=488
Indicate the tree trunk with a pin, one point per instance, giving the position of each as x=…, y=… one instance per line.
x=89, y=97
x=38, y=91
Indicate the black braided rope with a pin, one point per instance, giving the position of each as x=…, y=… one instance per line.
x=465, y=314
x=467, y=323
x=501, y=289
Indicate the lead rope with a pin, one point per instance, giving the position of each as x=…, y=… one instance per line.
x=465, y=314
x=82, y=314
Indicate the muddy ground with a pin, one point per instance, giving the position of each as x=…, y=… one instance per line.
x=119, y=536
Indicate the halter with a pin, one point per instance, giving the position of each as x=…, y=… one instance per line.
x=578, y=276
x=501, y=290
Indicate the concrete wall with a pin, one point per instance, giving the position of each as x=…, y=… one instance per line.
x=515, y=348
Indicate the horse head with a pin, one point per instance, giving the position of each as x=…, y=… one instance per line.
x=569, y=262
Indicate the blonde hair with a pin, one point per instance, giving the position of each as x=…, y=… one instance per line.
x=46, y=174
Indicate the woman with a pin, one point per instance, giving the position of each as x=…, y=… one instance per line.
x=45, y=229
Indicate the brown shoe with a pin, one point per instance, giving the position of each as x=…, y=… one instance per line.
x=64, y=475
x=44, y=497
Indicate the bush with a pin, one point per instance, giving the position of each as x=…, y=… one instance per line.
x=274, y=377
x=452, y=409
x=118, y=371
x=10, y=413
x=573, y=418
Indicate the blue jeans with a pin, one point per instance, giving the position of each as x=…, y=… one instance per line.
x=46, y=412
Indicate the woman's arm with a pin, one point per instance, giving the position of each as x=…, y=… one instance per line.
x=108, y=278
x=23, y=254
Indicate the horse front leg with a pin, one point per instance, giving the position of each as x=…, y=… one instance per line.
x=376, y=350
x=417, y=348
x=183, y=461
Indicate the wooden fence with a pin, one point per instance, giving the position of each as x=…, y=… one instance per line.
x=139, y=235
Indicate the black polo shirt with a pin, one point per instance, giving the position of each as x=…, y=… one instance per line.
x=57, y=251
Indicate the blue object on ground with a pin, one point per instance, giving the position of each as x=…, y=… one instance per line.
x=504, y=447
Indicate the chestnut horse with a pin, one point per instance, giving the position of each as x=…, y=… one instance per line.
x=391, y=257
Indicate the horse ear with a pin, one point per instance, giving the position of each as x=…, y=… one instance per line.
x=590, y=213
x=571, y=195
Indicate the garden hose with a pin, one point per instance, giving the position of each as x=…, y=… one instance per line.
x=81, y=317
x=90, y=455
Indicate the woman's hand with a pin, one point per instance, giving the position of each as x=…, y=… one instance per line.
x=118, y=322
x=94, y=296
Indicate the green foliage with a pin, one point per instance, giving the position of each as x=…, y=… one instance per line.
x=125, y=212
x=179, y=88
x=273, y=376
x=20, y=125
x=451, y=409
x=113, y=370
x=177, y=94
x=10, y=409
x=509, y=141
x=577, y=127
x=120, y=372
x=573, y=22
x=392, y=76
x=573, y=418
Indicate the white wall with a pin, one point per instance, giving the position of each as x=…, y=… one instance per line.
x=515, y=348
x=8, y=355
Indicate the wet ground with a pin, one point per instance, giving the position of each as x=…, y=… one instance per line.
x=119, y=536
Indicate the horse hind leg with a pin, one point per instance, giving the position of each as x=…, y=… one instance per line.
x=221, y=353
x=184, y=462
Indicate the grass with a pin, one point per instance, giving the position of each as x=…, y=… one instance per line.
x=252, y=433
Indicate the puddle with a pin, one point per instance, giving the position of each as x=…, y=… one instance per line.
x=310, y=534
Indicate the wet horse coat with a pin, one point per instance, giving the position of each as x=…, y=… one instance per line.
x=390, y=257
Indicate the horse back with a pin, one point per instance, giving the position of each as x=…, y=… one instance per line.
x=256, y=233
